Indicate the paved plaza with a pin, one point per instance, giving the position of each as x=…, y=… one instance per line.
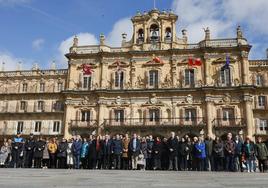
x=31, y=178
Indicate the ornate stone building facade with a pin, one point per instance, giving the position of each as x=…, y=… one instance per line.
x=144, y=86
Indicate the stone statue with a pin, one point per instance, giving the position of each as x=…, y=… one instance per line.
x=239, y=32
x=75, y=41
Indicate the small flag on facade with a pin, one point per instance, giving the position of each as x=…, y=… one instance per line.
x=87, y=69
x=157, y=60
x=227, y=63
x=194, y=62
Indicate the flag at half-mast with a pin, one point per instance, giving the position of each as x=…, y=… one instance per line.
x=87, y=69
x=194, y=62
x=227, y=63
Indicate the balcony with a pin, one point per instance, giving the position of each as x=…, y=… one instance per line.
x=228, y=123
x=79, y=124
x=161, y=122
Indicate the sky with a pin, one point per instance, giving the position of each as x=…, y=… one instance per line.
x=41, y=31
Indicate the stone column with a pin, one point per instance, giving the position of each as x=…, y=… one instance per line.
x=67, y=119
x=103, y=74
x=209, y=115
x=207, y=65
x=248, y=114
x=245, y=68
x=173, y=71
x=101, y=115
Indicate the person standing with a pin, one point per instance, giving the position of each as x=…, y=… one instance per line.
x=84, y=153
x=150, y=160
x=106, y=152
x=70, y=159
x=38, y=152
x=62, y=154
x=183, y=152
x=117, y=150
x=17, y=151
x=144, y=152
x=249, y=152
x=52, y=150
x=4, y=152
x=125, y=155
x=45, y=161
x=76, y=149
x=157, y=151
x=209, y=162
x=238, y=154
x=229, y=149
x=134, y=148
x=218, y=154
x=200, y=148
x=261, y=154
x=173, y=152
x=29, y=149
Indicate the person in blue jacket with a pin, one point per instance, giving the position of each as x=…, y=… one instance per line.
x=84, y=153
x=76, y=149
x=200, y=148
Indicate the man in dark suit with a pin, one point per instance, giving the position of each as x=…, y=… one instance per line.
x=106, y=152
x=134, y=148
x=38, y=152
x=29, y=148
x=117, y=150
x=172, y=144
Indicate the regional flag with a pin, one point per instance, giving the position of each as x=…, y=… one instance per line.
x=194, y=62
x=87, y=70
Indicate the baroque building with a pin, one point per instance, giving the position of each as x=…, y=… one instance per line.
x=145, y=86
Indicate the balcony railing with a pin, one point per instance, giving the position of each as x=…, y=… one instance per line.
x=79, y=124
x=136, y=122
x=229, y=122
x=261, y=132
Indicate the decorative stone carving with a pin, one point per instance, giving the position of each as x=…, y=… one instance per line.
x=153, y=99
x=139, y=83
x=167, y=82
x=118, y=100
x=189, y=99
x=227, y=98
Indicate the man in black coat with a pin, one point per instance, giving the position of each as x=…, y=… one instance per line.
x=106, y=152
x=29, y=149
x=38, y=152
x=62, y=154
x=117, y=150
x=172, y=144
x=134, y=149
x=149, y=160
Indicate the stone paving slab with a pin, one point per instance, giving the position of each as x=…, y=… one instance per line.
x=47, y=178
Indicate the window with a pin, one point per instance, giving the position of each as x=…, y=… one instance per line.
x=23, y=105
x=56, y=126
x=40, y=105
x=42, y=87
x=190, y=114
x=119, y=115
x=119, y=79
x=60, y=86
x=263, y=125
x=87, y=82
x=153, y=78
x=189, y=77
x=259, y=80
x=228, y=114
x=168, y=34
x=58, y=106
x=85, y=116
x=24, y=87
x=154, y=33
x=140, y=36
x=154, y=115
x=37, y=127
x=261, y=101
x=20, y=127
x=226, y=76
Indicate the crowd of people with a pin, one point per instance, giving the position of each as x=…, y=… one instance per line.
x=143, y=153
